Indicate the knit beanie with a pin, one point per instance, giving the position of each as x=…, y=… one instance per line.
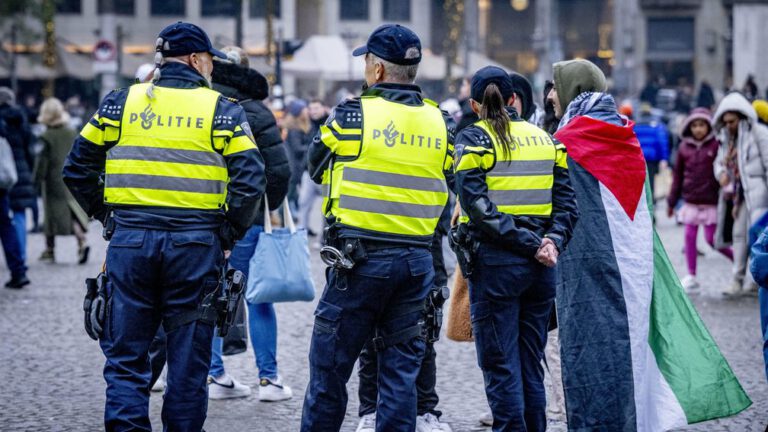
x=697, y=114
x=523, y=89
x=296, y=106
x=761, y=107
x=574, y=77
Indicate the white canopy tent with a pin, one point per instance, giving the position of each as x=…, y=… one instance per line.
x=325, y=58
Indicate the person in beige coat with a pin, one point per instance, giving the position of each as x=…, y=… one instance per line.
x=63, y=216
x=740, y=167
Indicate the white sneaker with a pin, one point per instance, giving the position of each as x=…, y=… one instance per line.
x=734, y=289
x=430, y=423
x=161, y=381
x=690, y=284
x=274, y=390
x=486, y=419
x=225, y=387
x=368, y=423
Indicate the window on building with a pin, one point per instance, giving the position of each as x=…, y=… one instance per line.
x=353, y=9
x=68, y=6
x=120, y=7
x=167, y=7
x=396, y=10
x=259, y=8
x=219, y=7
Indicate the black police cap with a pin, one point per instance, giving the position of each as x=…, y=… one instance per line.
x=491, y=75
x=182, y=38
x=393, y=43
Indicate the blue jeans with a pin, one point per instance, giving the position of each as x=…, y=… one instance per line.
x=511, y=298
x=262, y=322
x=20, y=224
x=10, y=239
x=154, y=275
x=763, y=297
x=384, y=294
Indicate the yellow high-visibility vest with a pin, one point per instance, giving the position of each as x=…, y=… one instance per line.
x=165, y=154
x=392, y=180
x=519, y=181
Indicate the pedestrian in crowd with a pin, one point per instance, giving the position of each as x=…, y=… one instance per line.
x=759, y=270
x=654, y=140
x=63, y=215
x=741, y=167
x=761, y=109
x=619, y=300
x=76, y=111
x=706, y=98
x=519, y=236
x=386, y=196
x=550, y=121
x=650, y=91
x=236, y=80
x=694, y=182
x=22, y=195
x=468, y=117
x=309, y=192
x=167, y=250
x=523, y=97
x=8, y=235
x=427, y=414
x=750, y=90
x=297, y=126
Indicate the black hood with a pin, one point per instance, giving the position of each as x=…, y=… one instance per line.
x=239, y=82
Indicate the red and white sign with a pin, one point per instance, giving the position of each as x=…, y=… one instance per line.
x=104, y=57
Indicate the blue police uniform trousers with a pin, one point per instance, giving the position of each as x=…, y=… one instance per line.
x=511, y=298
x=353, y=306
x=154, y=275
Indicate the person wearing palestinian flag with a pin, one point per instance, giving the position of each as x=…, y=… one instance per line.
x=519, y=209
x=635, y=354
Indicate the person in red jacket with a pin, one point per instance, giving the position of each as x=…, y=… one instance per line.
x=695, y=182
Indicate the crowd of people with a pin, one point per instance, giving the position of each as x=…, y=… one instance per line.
x=40, y=139
x=520, y=188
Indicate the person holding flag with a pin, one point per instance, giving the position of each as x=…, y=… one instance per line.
x=636, y=355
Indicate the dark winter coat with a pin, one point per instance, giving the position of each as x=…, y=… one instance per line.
x=250, y=87
x=19, y=137
x=60, y=206
x=694, y=178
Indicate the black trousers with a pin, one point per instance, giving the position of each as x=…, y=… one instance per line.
x=427, y=398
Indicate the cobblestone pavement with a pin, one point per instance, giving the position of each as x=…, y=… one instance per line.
x=52, y=371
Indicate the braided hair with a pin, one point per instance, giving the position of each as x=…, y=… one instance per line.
x=158, y=62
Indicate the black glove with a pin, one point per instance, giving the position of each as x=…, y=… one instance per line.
x=95, y=306
x=228, y=235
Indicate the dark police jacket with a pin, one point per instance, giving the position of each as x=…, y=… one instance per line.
x=349, y=115
x=84, y=168
x=522, y=234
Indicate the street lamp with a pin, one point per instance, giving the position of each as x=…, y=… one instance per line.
x=519, y=5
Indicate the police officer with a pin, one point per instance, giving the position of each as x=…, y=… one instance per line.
x=182, y=181
x=383, y=159
x=513, y=185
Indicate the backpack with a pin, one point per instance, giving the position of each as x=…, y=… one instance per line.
x=8, y=174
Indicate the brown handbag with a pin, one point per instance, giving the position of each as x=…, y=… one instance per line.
x=459, y=326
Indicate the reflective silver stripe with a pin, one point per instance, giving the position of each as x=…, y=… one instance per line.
x=394, y=180
x=390, y=208
x=520, y=197
x=156, y=154
x=325, y=189
x=522, y=168
x=142, y=181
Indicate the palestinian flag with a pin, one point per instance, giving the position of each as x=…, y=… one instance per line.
x=635, y=354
